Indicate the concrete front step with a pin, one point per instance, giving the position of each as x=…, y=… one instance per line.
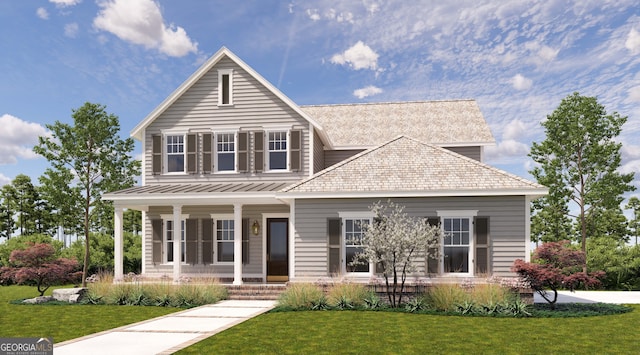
x=255, y=292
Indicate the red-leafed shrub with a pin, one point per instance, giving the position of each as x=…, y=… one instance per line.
x=555, y=266
x=38, y=266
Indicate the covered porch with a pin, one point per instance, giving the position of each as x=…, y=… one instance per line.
x=235, y=232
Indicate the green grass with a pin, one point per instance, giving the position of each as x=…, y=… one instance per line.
x=64, y=322
x=360, y=332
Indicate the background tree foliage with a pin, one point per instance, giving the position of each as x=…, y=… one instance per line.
x=87, y=159
x=578, y=161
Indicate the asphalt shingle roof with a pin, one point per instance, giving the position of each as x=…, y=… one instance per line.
x=405, y=164
x=437, y=122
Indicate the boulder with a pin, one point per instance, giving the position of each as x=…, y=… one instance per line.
x=71, y=295
x=38, y=300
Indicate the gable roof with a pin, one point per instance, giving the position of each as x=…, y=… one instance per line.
x=407, y=167
x=445, y=123
x=210, y=63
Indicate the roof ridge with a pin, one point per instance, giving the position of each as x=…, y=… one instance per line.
x=390, y=102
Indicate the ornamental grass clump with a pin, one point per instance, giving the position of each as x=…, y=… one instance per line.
x=301, y=296
x=446, y=297
x=347, y=295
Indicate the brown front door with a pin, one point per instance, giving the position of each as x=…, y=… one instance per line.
x=277, y=249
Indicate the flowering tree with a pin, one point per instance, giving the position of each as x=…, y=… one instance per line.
x=555, y=266
x=38, y=266
x=395, y=241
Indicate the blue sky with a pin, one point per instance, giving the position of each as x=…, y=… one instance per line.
x=518, y=59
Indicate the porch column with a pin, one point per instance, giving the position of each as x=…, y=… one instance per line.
x=117, y=236
x=237, y=244
x=177, y=243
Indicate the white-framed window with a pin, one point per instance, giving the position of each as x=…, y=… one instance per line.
x=457, y=242
x=277, y=157
x=175, y=153
x=225, y=156
x=353, y=228
x=170, y=237
x=224, y=229
x=225, y=87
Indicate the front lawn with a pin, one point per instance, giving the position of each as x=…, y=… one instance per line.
x=64, y=322
x=368, y=332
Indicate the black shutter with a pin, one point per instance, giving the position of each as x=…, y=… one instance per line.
x=334, y=232
x=433, y=261
x=207, y=153
x=258, y=151
x=156, y=249
x=207, y=241
x=245, y=240
x=243, y=152
x=191, y=241
x=156, y=154
x=481, y=225
x=192, y=154
x=295, y=147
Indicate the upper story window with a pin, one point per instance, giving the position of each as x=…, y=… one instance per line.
x=277, y=150
x=225, y=87
x=175, y=153
x=225, y=152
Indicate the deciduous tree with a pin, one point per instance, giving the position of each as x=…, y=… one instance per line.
x=578, y=161
x=396, y=242
x=38, y=265
x=634, y=224
x=90, y=158
x=555, y=266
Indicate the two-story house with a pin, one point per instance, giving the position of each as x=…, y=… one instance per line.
x=242, y=184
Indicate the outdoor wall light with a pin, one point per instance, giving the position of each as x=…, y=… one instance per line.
x=255, y=227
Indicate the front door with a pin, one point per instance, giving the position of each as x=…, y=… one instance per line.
x=277, y=249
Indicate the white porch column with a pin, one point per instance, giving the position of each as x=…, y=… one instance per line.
x=177, y=242
x=237, y=244
x=117, y=236
x=292, y=239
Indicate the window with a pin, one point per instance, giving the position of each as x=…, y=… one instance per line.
x=225, y=87
x=277, y=150
x=457, y=242
x=170, y=239
x=225, y=152
x=224, y=240
x=353, y=231
x=175, y=153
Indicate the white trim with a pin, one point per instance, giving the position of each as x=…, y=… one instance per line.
x=533, y=192
x=292, y=239
x=311, y=163
x=460, y=214
x=144, y=244
x=527, y=229
x=143, y=164
x=265, y=216
x=221, y=73
x=343, y=243
x=215, y=217
x=215, y=152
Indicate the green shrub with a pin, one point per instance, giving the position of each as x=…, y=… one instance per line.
x=300, y=296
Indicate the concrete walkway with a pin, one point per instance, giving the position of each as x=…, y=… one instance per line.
x=620, y=297
x=166, y=334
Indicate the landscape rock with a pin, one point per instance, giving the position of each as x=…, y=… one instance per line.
x=38, y=300
x=71, y=295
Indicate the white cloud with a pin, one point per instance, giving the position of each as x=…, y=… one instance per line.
x=71, y=30
x=4, y=180
x=141, y=22
x=65, y=3
x=367, y=91
x=634, y=94
x=633, y=41
x=313, y=14
x=17, y=139
x=521, y=83
x=360, y=56
x=42, y=13
x=508, y=149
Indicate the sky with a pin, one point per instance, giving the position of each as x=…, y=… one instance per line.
x=518, y=59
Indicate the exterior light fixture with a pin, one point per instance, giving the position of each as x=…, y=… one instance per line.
x=255, y=227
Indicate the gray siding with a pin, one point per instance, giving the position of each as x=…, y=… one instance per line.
x=254, y=108
x=474, y=152
x=318, y=153
x=506, y=217
x=255, y=262
x=332, y=157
